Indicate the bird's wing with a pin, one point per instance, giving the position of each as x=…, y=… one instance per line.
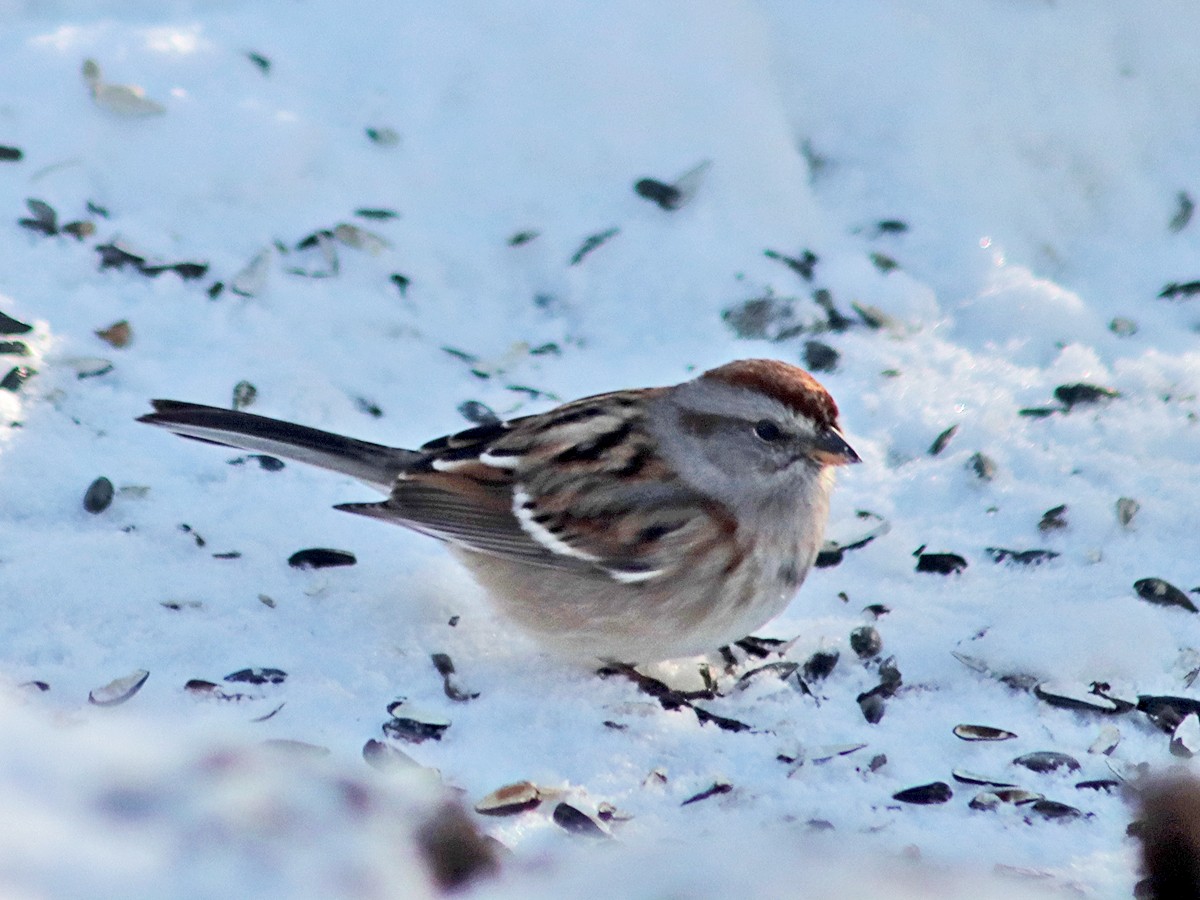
x=579, y=488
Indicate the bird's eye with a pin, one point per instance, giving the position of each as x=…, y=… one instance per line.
x=767, y=430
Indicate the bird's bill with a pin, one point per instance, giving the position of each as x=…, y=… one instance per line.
x=832, y=450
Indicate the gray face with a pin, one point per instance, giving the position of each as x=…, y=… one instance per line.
x=740, y=445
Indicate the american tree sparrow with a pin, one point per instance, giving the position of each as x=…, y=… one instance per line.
x=632, y=526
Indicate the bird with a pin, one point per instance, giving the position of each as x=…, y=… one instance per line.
x=632, y=526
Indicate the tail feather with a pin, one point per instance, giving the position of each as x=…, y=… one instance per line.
x=373, y=464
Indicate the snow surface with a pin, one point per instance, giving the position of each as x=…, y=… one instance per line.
x=1036, y=152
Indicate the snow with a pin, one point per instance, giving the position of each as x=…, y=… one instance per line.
x=1036, y=153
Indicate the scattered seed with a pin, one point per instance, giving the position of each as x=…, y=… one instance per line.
x=258, y=676
x=1167, y=711
x=118, y=690
x=522, y=237
x=80, y=230
x=1072, y=395
x=820, y=357
x=372, y=409
x=834, y=319
x=45, y=219
x=823, y=754
x=252, y=278
x=883, y=262
x=1052, y=809
x=782, y=671
x=214, y=290
x=1047, y=761
x=1021, y=557
x=866, y=641
x=671, y=197
x=965, y=777
x=718, y=788
x=1038, y=412
x=1127, y=508
x=576, y=821
x=940, y=563
x=940, y=442
x=985, y=801
x=266, y=463
x=982, y=733
x=819, y=665
x=16, y=377
x=360, y=238
x=477, y=413
x=1054, y=519
x=670, y=699
x=414, y=725
x=383, y=756
x=1018, y=796
x=200, y=686
x=803, y=265
x=1182, y=290
x=264, y=64
x=9, y=325
x=321, y=558
x=209, y=690
x=187, y=529
x=1078, y=697
x=10, y=154
x=401, y=282
x=1163, y=593
x=606, y=812
x=99, y=496
x=1185, y=740
x=667, y=196
x=177, y=605
x=656, y=777
x=1106, y=741
x=118, y=334
x=270, y=715
x=1122, y=327
x=872, y=705
x=384, y=137
x=761, y=647
x=510, y=800
x=1123, y=700
x=925, y=794
x=125, y=100
x=450, y=683
x=1108, y=785
x=115, y=256
x=89, y=366
x=244, y=394
x=188, y=271
x=983, y=466
x=591, y=243
x=1184, y=207
x=763, y=318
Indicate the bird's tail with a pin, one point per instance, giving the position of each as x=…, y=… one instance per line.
x=373, y=464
